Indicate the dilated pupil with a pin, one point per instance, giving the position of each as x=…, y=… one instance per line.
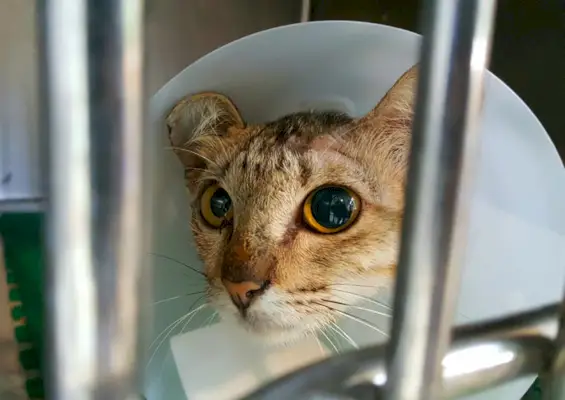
x=220, y=203
x=332, y=207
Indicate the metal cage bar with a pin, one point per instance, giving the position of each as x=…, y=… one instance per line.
x=455, y=53
x=507, y=348
x=96, y=231
x=554, y=378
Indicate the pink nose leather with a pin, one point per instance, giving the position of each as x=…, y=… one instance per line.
x=242, y=293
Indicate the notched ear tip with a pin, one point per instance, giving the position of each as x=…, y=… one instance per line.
x=201, y=114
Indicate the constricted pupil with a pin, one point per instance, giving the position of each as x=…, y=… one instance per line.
x=332, y=207
x=220, y=203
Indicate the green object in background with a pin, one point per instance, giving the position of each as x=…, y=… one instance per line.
x=22, y=238
x=534, y=393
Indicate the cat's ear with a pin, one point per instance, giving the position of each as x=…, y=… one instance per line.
x=397, y=106
x=385, y=134
x=197, y=116
x=196, y=123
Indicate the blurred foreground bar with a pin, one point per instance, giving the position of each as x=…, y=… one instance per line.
x=454, y=60
x=93, y=110
x=481, y=356
x=553, y=387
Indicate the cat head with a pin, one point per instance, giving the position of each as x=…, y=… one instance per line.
x=298, y=218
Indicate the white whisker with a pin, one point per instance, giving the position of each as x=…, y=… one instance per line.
x=352, y=284
x=182, y=330
x=177, y=297
x=366, y=298
x=191, y=318
x=179, y=263
x=209, y=320
x=329, y=340
x=322, y=351
x=356, y=319
x=167, y=331
x=359, y=308
x=335, y=327
x=188, y=316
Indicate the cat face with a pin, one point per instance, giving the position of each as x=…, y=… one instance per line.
x=299, y=218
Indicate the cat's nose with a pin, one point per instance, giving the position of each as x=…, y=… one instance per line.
x=243, y=293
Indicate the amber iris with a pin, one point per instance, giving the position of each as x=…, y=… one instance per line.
x=330, y=209
x=216, y=206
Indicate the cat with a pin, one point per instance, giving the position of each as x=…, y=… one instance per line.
x=297, y=219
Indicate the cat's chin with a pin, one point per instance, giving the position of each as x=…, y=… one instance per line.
x=277, y=337
x=266, y=333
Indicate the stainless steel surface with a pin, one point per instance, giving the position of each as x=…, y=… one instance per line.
x=178, y=32
x=94, y=108
x=20, y=167
x=480, y=357
x=306, y=11
x=553, y=387
x=455, y=52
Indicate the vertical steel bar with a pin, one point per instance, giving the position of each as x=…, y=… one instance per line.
x=455, y=52
x=305, y=11
x=94, y=110
x=554, y=380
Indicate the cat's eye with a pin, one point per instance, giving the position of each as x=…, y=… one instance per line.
x=330, y=209
x=216, y=206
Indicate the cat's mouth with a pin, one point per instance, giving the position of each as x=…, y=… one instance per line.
x=272, y=330
x=265, y=326
x=257, y=320
x=271, y=318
